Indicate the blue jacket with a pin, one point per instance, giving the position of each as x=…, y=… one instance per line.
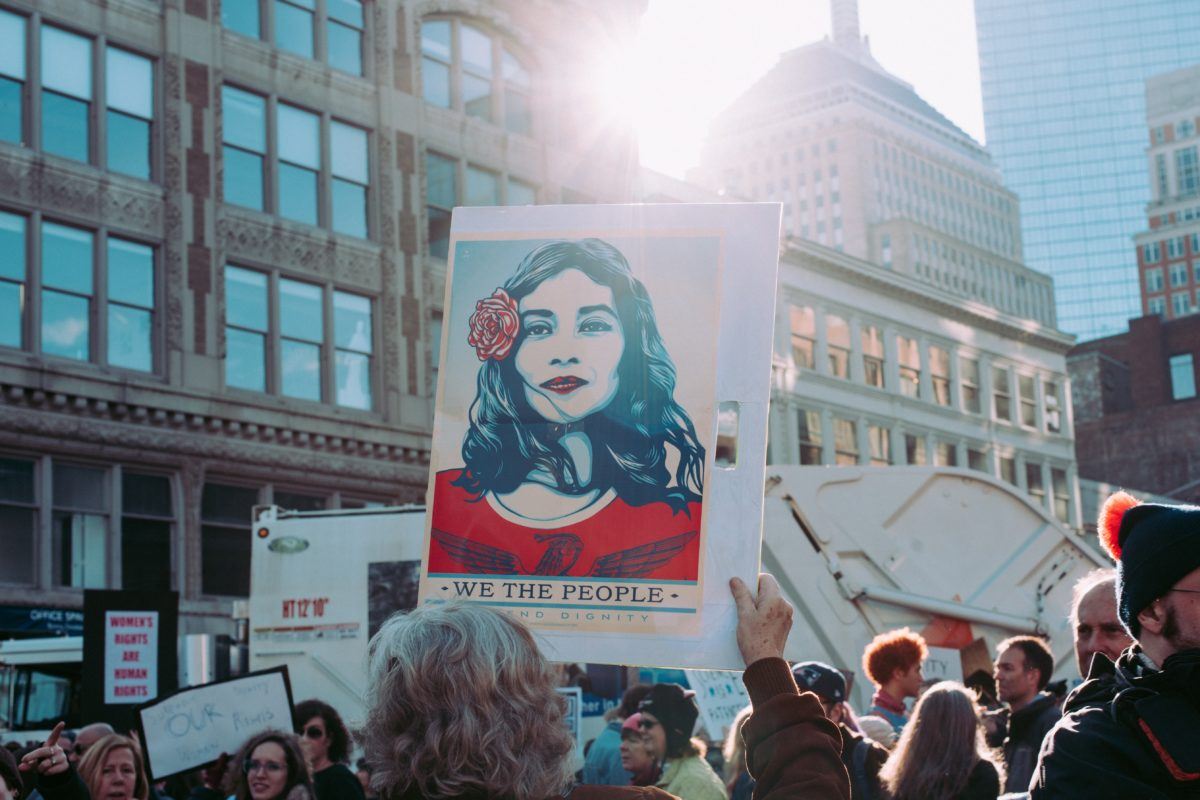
x=603, y=764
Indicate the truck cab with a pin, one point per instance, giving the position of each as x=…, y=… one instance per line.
x=40, y=682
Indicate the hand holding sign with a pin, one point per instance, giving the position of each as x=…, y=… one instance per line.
x=763, y=623
x=49, y=759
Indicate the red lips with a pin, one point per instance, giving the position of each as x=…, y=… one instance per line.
x=564, y=384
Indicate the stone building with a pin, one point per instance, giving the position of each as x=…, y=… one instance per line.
x=223, y=229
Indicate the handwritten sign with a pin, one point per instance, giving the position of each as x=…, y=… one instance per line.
x=720, y=695
x=191, y=728
x=130, y=656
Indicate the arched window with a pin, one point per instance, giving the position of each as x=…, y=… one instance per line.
x=468, y=68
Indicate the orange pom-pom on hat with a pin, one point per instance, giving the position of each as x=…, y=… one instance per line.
x=1108, y=527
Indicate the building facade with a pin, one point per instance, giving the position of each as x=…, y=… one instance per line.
x=223, y=234
x=1168, y=249
x=863, y=165
x=1063, y=101
x=874, y=368
x=1137, y=411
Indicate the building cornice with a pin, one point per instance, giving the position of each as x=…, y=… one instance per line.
x=978, y=315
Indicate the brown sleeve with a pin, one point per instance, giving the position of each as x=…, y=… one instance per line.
x=792, y=750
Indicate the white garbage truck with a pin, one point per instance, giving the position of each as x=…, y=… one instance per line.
x=954, y=554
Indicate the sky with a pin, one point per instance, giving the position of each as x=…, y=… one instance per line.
x=694, y=57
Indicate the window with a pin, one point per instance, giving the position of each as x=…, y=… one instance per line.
x=1156, y=305
x=909, y=358
x=1160, y=174
x=344, y=34
x=1151, y=252
x=1034, y=484
x=1187, y=171
x=1001, y=394
x=845, y=441
x=66, y=93
x=1175, y=247
x=873, y=356
x=146, y=524
x=810, y=437
x=304, y=142
x=837, y=334
x=296, y=26
x=977, y=460
x=1028, y=400
x=1008, y=469
x=1179, y=274
x=131, y=293
x=1154, y=279
x=945, y=454
x=80, y=526
x=1062, y=494
x=879, y=438
x=939, y=373
x=804, y=336
x=297, y=357
x=482, y=187
x=1183, y=377
x=885, y=250
x=914, y=449
x=242, y=16
x=18, y=519
x=225, y=514
x=13, y=282
x=467, y=68
x=1181, y=304
x=1053, y=412
x=519, y=193
x=441, y=197
x=968, y=384
x=12, y=80
x=129, y=90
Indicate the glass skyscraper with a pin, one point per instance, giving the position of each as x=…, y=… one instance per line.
x=1064, y=107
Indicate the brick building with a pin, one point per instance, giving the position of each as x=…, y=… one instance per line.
x=1137, y=414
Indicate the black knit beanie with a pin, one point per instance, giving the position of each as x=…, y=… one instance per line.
x=1154, y=546
x=676, y=709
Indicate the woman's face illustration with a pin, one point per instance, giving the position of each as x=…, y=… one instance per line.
x=572, y=347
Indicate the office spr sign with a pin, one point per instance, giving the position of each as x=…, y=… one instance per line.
x=130, y=656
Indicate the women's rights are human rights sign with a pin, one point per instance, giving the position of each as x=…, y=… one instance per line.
x=590, y=357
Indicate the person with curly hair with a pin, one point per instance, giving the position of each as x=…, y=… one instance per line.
x=326, y=744
x=268, y=766
x=941, y=754
x=893, y=661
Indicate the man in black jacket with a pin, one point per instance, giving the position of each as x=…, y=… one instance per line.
x=1023, y=667
x=862, y=757
x=1133, y=728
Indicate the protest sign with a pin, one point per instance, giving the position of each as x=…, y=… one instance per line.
x=192, y=727
x=573, y=718
x=943, y=664
x=129, y=652
x=130, y=656
x=591, y=355
x=720, y=695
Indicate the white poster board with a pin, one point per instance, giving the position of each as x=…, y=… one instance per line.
x=589, y=356
x=192, y=727
x=943, y=664
x=721, y=695
x=130, y=656
x=573, y=718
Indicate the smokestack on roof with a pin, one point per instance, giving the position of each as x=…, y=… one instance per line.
x=845, y=24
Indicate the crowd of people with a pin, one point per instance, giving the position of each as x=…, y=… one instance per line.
x=461, y=704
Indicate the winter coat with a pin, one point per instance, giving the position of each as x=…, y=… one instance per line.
x=602, y=766
x=691, y=778
x=1130, y=731
x=876, y=756
x=1026, y=730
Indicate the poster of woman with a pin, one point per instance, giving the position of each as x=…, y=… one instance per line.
x=575, y=424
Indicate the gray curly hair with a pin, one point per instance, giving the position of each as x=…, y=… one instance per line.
x=460, y=702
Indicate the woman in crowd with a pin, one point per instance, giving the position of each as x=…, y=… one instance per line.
x=111, y=769
x=326, y=745
x=269, y=766
x=668, y=717
x=637, y=757
x=941, y=754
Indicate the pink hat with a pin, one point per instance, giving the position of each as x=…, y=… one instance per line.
x=632, y=723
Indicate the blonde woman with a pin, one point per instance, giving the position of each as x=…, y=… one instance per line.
x=111, y=769
x=941, y=754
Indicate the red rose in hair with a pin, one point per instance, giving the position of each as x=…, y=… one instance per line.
x=494, y=326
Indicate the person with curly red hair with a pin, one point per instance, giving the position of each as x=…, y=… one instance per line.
x=893, y=662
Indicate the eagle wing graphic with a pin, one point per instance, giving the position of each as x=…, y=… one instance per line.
x=561, y=553
x=640, y=561
x=479, y=558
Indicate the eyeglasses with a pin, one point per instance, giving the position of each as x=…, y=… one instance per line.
x=647, y=724
x=312, y=732
x=270, y=767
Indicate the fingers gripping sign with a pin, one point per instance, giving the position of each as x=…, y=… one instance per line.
x=49, y=759
x=763, y=621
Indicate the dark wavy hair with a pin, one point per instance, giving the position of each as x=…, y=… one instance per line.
x=335, y=729
x=508, y=438
x=237, y=781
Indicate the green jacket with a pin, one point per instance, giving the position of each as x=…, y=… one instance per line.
x=692, y=778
